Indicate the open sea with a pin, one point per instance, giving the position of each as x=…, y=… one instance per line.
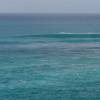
x=49, y=57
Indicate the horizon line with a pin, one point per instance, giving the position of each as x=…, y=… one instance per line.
x=32, y=13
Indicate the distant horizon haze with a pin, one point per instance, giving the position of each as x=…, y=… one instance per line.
x=50, y=6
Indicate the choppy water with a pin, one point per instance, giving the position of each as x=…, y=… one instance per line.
x=49, y=57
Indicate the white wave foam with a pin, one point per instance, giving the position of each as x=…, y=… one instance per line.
x=78, y=33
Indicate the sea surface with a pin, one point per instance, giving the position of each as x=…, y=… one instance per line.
x=49, y=57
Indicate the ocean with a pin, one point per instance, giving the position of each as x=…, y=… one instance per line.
x=49, y=57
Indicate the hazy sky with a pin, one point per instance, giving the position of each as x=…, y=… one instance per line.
x=50, y=6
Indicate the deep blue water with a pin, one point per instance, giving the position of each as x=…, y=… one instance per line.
x=49, y=57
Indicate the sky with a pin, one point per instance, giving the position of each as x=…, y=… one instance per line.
x=49, y=6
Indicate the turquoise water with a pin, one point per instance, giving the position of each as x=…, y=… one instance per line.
x=49, y=57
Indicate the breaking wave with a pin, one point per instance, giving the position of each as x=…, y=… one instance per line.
x=63, y=35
